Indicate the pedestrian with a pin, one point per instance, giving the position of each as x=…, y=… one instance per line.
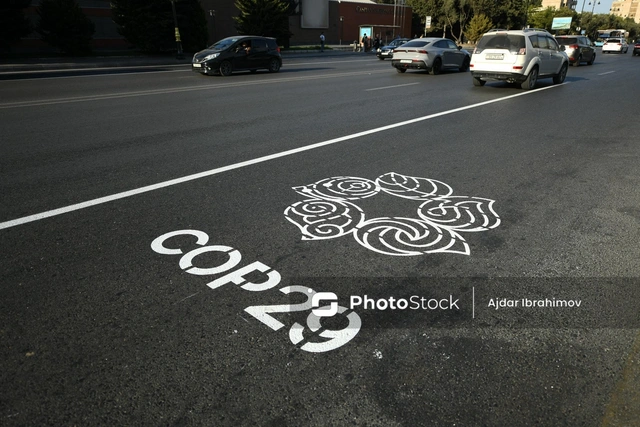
x=376, y=42
x=365, y=40
x=322, y=41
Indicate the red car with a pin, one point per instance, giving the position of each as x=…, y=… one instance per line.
x=636, y=48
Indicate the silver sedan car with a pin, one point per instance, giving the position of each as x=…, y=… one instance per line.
x=431, y=54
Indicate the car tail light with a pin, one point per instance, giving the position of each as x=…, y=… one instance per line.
x=517, y=67
x=278, y=49
x=424, y=52
x=574, y=46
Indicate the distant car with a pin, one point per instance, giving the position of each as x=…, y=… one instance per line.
x=518, y=56
x=238, y=53
x=615, y=45
x=598, y=42
x=431, y=54
x=636, y=48
x=578, y=49
x=386, y=52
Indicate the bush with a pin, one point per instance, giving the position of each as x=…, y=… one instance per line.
x=63, y=25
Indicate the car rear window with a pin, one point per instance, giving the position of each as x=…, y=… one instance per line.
x=567, y=40
x=613, y=41
x=512, y=42
x=416, y=43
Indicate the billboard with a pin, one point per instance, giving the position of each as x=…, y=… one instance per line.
x=561, y=23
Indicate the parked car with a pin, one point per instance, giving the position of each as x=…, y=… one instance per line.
x=578, y=49
x=431, y=54
x=615, y=45
x=518, y=56
x=238, y=53
x=636, y=48
x=386, y=52
x=599, y=42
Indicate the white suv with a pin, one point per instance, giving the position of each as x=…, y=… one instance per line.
x=518, y=56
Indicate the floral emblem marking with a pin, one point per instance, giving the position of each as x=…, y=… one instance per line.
x=329, y=211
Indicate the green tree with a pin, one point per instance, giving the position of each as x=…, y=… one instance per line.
x=62, y=25
x=269, y=18
x=148, y=24
x=478, y=25
x=14, y=24
x=456, y=13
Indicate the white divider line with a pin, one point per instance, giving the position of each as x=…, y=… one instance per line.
x=391, y=87
x=172, y=182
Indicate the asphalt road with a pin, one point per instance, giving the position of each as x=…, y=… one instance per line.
x=157, y=225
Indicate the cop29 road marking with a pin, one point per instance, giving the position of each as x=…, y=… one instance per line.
x=216, y=171
x=391, y=87
x=181, y=89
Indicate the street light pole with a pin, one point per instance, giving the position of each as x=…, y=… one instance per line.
x=177, y=31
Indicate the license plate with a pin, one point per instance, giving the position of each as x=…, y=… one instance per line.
x=197, y=65
x=405, y=61
x=494, y=56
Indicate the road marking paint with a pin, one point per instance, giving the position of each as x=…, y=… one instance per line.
x=216, y=171
x=182, y=89
x=604, y=74
x=391, y=87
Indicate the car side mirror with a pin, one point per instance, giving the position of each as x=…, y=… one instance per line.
x=459, y=47
x=562, y=48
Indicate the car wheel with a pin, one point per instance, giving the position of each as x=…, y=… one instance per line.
x=401, y=70
x=531, y=80
x=593, y=58
x=226, y=68
x=559, y=78
x=478, y=82
x=578, y=61
x=274, y=65
x=465, y=64
x=436, y=68
x=380, y=58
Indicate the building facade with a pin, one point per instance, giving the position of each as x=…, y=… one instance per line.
x=558, y=4
x=341, y=21
x=626, y=9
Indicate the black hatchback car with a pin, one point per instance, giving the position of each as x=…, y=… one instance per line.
x=238, y=53
x=578, y=49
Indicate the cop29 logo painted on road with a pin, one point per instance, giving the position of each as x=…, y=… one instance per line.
x=329, y=212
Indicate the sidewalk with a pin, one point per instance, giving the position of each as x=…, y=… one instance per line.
x=14, y=65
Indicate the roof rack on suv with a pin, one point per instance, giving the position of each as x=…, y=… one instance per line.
x=536, y=29
x=496, y=29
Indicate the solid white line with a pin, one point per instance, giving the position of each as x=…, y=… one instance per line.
x=148, y=188
x=391, y=87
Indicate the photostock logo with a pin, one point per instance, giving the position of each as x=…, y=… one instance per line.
x=327, y=310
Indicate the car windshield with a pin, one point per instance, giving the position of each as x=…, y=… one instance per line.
x=567, y=40
x=513, y=42
x=223, y=44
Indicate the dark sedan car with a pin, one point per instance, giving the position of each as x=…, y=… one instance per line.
x=636, y=48
x=238, y=53
x=578, y=49
x=386, y=52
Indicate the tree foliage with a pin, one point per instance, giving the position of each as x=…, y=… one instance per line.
x=269, y=18
x=149, y=26
x=478, y=25
x=14, y=24
x=63, y=25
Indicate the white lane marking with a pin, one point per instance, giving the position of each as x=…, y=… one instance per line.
x=186, y=68
x=182, y=89
x=604, y=74
x=216, y=171
x=391, y=87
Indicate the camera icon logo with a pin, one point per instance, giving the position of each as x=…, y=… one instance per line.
x=327, y=310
